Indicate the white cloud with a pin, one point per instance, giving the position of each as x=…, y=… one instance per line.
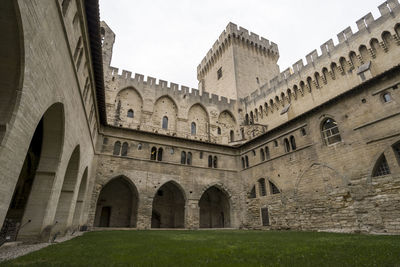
x=168, y=39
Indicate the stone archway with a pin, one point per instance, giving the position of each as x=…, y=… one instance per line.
x=168, y=207
x=76, y=221
x=26, y=216
x=63, y=216
x=117, y=204
x=214, y=209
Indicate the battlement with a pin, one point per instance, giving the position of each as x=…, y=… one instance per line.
x=233, y=31
x=140, y=81
x=329, y=51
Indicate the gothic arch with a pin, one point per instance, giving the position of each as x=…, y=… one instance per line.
x=168, y=207
x=130, y=99
x=12, y=60
x=165, y=106
x=199, y=115
x=215, y=208
x=117, y=203
x=344, y=181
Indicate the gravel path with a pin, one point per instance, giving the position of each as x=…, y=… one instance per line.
x=9, y=253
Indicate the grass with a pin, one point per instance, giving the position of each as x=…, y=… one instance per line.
x=217, y=248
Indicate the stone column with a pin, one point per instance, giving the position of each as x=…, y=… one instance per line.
x=192, y=214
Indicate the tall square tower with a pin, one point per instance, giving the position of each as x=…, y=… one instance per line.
x=238, y=64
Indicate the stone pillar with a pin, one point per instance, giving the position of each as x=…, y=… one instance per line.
x=192, y=214
x=144, y=213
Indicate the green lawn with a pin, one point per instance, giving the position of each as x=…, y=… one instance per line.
x=218, y=248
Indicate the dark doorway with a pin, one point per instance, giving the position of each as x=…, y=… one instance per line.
x=168, y=207
x=214, y=209
x=119, y=196
x=105, y=217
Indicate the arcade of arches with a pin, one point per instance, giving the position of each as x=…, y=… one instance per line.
x=118, y=205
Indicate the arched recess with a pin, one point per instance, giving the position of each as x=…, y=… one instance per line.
x=169, y=207
x=198, y=114
x=131, y=100
x=64, y=207
x=11, y=62
x=32, y=192
x=165, y=107
x=215, y=209
x=76, y=221
x=319, y=180
x=117, y=205
x=227, y=123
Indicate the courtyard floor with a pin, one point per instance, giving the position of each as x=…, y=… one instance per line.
x=217, y=248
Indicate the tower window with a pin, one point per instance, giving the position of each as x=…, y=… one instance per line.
x=160, y=154
x=219, y=130
x=287, y=145
x=189, y=158
x=130, y=113
x=219, y=73
x=303, y=132
x=210, y=161
x=293, y=142
x=125, y=147
x=232, y=136
x=117, y=148
x=153, y=154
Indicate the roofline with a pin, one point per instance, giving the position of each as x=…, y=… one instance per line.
x=92, y=11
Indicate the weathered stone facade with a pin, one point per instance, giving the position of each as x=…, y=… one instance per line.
x=316, y=147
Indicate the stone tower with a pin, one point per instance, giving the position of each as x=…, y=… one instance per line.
x=238, y=64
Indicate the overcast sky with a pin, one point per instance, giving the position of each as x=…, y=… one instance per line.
x=167, y=39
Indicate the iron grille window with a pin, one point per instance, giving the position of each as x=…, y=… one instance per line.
x=397, y=152
x=330, y=132
x=253, y=192
x=263, y=191
x=274, y=189
x=382, y=167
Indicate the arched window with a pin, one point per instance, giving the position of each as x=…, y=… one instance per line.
x=261, y=184
x=117, y=148
x=243, y=164
x=251, y=117
x=273, y=188
x=242, y=133
x=139, y=146
x=247, y=162
x=293, y=142
x=330, y=132
x=153, y=154
x=124, y=151
x=215, y=162
x=193, y=128
x=267, y=155
x=130, y=113
x=160, y=154
x=219, y=130
x=287, y=145
x=381, y=167
x=165, y=122
x=247, y=119
x=189, y=158
x=232, y=136
x=210, y=161
x=262, y=155
x=183, y=157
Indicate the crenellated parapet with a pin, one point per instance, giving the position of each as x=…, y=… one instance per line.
x=346, y=57
x=233, y=32
x=163, y=87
